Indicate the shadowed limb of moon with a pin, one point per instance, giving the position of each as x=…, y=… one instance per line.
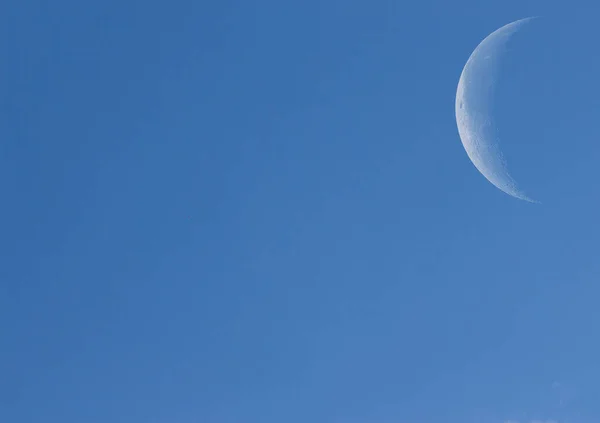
x=473, y=109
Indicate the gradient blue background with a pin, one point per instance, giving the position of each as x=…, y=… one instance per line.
x=256, y=212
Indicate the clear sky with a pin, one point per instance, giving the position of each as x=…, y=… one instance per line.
x=261, y=212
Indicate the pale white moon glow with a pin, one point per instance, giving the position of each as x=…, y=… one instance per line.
x=474, y=114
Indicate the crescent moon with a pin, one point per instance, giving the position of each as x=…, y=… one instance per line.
x=473, y=109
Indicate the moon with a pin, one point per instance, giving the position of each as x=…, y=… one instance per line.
x=473, y=107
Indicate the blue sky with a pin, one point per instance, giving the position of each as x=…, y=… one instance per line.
x=240, y=212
